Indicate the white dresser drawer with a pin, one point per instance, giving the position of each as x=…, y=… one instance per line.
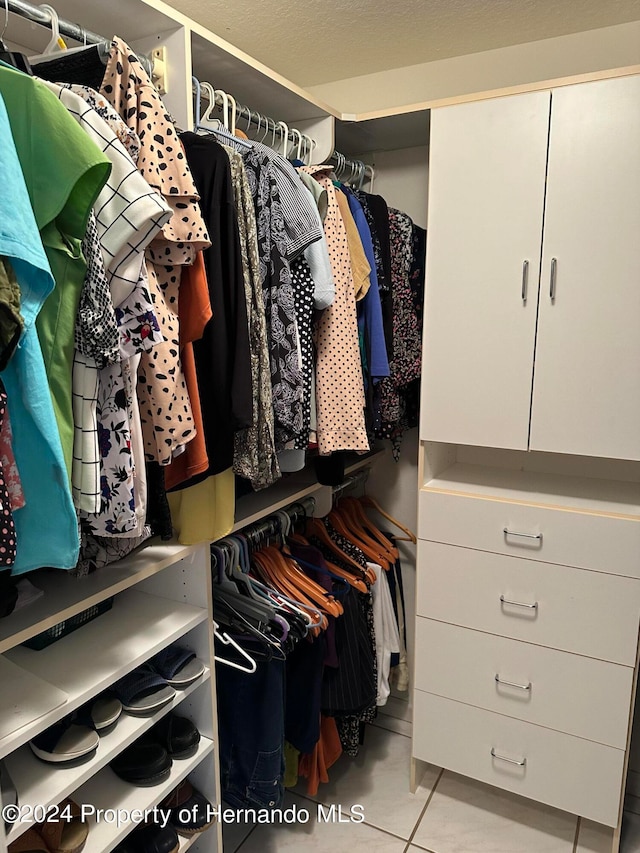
x=589, y=541
x=589, y=613
x=572, y=774
x=570, y=693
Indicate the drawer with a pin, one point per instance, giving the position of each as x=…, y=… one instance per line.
x=572, y=774
x=589, y=613
x=599, y=542
x=570, y=693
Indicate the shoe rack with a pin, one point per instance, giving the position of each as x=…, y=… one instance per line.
x=161, y=595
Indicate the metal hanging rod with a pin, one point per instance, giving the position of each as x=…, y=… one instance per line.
x=78, y=33
x=252, y=116
x=42, y=17
x=353, y=171
x=351, y=482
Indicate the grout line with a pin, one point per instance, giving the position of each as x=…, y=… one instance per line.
x=243, y=840
x=575, y=840
x=364, y=822
x=422, y=813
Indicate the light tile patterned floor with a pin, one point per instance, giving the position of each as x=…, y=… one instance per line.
x=448, y=814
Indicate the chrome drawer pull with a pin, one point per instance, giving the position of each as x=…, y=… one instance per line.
x=537, y=536
x=525, y=276
x=552, y=279
x=504, y=600
x=522, y=763
x=512, y=683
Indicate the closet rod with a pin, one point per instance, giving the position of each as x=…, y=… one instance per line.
x=356, y=168
x=350, y=482
x=253, y=116
x=42, y=17
x=66, y=28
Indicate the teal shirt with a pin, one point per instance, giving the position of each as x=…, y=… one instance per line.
x=46, y=527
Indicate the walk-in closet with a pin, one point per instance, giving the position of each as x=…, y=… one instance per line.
x=319, y=458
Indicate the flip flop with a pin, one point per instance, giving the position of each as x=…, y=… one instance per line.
x=102, y=713
x=65, y=741
x=65, y=836
x=143, y=692
x=177, y=665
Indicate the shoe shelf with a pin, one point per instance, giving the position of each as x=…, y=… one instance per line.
x=47, y=784
x=162, y=594
x=106, y=791
x=88, y=661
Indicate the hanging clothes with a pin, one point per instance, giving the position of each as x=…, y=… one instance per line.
x=48, y=507
x=339, y=383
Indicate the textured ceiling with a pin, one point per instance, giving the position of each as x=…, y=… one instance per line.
x=319, y=42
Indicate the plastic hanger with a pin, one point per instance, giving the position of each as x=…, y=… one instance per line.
x=226, y=640
x=56, y=42
x=285, y=138
x=17, y=60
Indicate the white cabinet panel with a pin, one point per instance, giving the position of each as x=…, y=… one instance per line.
x=588, y=613
x=586, y=397
x=572, y=774
x=486, y=196
x=569, y=693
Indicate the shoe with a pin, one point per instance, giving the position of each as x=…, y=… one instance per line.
x=67, y=740
x=29, y=842
x=185, y=801
x=143, y=692
x=142, y=764
x=178, y=666
x=150, y=839
x=103, y=712
x=177, y=735
x=65, y=836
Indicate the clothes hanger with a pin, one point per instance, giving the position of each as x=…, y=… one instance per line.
x=317, y=528
x=226, y=640
x=355, y=512
x=370, y=548
x=367, y=501
x=14, y=58
x=285, y=138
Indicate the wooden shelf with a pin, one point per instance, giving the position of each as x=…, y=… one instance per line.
x=106, y=791
x=41, y=784
x=65, y=596
x=93, y=657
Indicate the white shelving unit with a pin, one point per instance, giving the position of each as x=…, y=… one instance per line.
x=162, y=594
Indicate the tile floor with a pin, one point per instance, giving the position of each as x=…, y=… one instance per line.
x=448, y=813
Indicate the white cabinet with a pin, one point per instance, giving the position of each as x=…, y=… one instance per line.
x=486, y=200
x=586, y=393
x=487, y=195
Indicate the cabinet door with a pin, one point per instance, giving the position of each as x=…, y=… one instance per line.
x=586, y=397
x=486, y=197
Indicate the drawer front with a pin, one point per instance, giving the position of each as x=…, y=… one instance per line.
x=597, y=542
x=572, y=774
x=570, y=693
x=589, y=613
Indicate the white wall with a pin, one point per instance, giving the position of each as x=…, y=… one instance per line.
x=595, y=50
x=401, y=178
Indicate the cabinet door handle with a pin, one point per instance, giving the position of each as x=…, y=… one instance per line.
x=521, y=763
x=525, y=277
x=508, y=532
x=552, y=279
x=504, y=600
x=512, y=683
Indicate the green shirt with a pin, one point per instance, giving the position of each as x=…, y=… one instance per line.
x=64, y=171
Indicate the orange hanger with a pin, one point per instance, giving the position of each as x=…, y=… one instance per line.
x=370, y=548
x=366, y=501
x=318, y=529
x=277, y=580
x=353, y=506
x=304, y=584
